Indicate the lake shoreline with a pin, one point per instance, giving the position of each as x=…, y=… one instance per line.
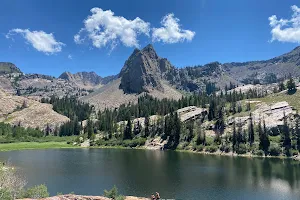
x=62, y=145
x=85, y=197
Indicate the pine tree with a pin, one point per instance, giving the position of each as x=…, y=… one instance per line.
x=211, y=110
x=137, y=128
x=234, y=136
x=89, y=127
x=220, y=124
x=239, y=107
x=147, y=131
x=48, y=130
x=248, y=107
x=239, y=134
x=127, y=132
x=264, y=138
x=250, y=130
x=177, y=129
x=290, y=85
x=285, y=136
x=281, y=86
x=77, y=127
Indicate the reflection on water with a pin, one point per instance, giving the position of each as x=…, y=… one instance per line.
x=173, y=174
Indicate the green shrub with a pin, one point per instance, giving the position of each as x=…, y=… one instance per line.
x=226, y=148
x=294, y=152
x=209, y=141
x=113, y=194
x=274, y=149
x=112, y=142
x=199, y=147
x=241, y=149
x=134, y=142
x=36, y=192
x=211, y=149
x=259, y=152
x=5, y=194
x=185, y=145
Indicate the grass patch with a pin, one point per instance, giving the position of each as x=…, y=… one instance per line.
x=292, y=99
x=34, y=145
x=26, y=138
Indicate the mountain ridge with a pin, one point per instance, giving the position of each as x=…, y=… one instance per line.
x=146, y=71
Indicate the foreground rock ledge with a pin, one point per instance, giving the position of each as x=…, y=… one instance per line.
x=82, y=197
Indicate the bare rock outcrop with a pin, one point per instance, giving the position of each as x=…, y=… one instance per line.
x=143, y=71
x=27, y=112
x=272, y=114
x=156, y=144
x=191, y=113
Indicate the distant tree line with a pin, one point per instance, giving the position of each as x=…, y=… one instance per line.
x=11, y=133
x=71, y=107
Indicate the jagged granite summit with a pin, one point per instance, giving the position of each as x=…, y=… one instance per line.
x=143, y=71
x=86, y=79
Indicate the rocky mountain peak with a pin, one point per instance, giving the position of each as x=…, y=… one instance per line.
x=143, y=71
x=149, y=50
x=82, y=78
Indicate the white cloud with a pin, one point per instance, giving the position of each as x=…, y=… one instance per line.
x=171, y=31
x=70, y=56
x=39, y=40
x=286, y=30
x=103, y=28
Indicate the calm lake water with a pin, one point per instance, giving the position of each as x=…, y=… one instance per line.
x=174, y=174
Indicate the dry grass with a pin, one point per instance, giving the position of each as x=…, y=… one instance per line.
x=293, y=99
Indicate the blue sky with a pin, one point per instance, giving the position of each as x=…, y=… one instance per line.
x=208, y=30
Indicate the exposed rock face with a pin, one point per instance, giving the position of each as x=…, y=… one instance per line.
x=6, y=85
x=46, y=86
x=156, y=144
x=86, y=80
x=82, y=78
x=191, y=113
x=8, y=68
x=143, y=71
x=272, y=114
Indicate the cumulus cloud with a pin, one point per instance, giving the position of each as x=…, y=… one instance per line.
x=41, y=41
x=171, y=32
x=103, y=29
x=286, y=30
x=70, y=56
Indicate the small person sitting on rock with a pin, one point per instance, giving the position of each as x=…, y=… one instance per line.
x=157, y=196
